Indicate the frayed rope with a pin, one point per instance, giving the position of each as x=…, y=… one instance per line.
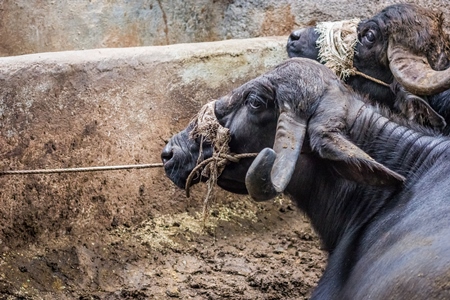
x=206, y=127
x=336, y=44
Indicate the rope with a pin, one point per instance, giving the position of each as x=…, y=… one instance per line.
x=336, y=44
x=356, y=72
x=206, y=127
x=83, y=169
x=221, y=159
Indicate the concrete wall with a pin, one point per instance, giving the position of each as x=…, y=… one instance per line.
x=41, y=26
x=117, y=106
x=106, y=107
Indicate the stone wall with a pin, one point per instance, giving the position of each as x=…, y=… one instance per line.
x=41, y=26
x=106, y=107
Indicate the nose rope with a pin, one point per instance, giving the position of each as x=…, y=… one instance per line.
x=336, y=43
x=221, y=161
x=207, y=128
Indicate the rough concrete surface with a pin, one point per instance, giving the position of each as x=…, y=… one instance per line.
x=41, y=26
x=105, y=107
x=133, y=234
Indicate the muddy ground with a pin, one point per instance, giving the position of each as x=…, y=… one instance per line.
x=242, y=250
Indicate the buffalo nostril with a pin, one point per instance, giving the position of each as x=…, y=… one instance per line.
x=295, y=35
x=166, y=154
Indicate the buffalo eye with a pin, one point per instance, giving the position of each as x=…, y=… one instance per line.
x=255, y=102
x=369, y=37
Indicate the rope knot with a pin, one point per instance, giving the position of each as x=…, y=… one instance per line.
x=206, y=127
x=336, y=44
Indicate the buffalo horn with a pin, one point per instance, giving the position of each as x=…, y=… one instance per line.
x=272, y=170
x=415, y=73
x=258, y=180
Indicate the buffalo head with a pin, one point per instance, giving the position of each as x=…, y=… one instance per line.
x=298, y=111
x=404, y=46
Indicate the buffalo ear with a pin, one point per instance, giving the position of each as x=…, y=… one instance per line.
x=354, y=164
x=417, y=109
x=374, y=173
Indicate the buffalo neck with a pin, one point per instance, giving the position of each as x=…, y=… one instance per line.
x=339, y=208
x=407, y=151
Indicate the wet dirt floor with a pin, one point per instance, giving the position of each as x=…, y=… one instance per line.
x=244, y=250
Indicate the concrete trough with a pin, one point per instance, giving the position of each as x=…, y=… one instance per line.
x=106, y=107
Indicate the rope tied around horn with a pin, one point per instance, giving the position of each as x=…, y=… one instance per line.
x=206, y=127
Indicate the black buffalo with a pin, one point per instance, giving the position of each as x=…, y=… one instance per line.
x=377, y=193
x=404, y=46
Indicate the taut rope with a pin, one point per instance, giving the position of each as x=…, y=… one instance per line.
x=81, y=169
x=207, y=128
x=356, y=72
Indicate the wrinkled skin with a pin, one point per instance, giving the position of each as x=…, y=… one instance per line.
x=376, y=192
x=251, y=98
x=418, y=29
x=251, y=113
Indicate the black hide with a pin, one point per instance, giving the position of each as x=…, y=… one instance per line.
x=376, y=192
x=421, y=31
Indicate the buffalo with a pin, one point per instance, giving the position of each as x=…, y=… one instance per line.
x=376, y=190
x=400, y=58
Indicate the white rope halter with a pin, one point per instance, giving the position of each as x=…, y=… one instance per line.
x=336, y=44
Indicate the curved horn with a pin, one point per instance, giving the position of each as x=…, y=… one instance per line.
x=415, y=73
x=258, y=180
x=272, y=170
